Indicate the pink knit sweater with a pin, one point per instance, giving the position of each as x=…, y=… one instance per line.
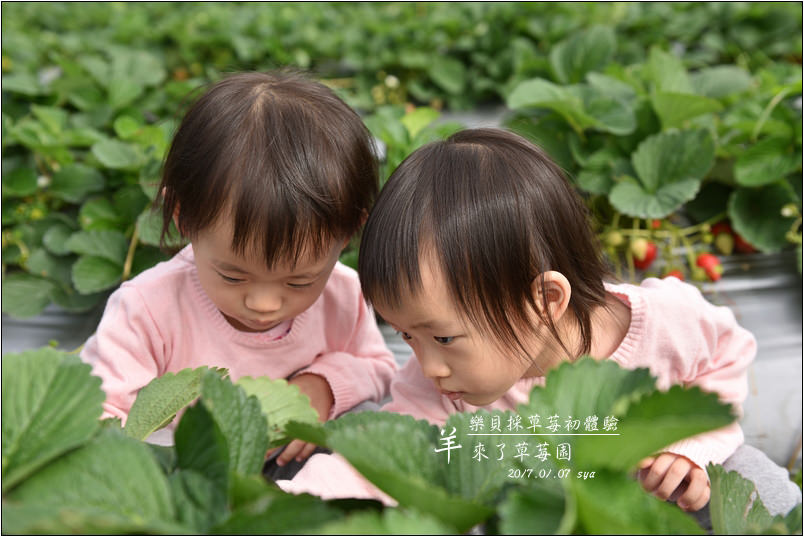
x=162, y=321
x=674, y=332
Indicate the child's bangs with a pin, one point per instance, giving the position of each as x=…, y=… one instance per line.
x=388, y=260
x=274, y=219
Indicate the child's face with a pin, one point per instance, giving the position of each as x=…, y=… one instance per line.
x=251, y=297
x=462, y=362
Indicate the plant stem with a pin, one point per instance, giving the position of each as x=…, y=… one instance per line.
x=689, y=251
x=132, y=247
x=767, y=112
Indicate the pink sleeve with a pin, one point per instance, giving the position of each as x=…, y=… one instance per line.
x=362, y=370
x=728, y=350
x=125, y=352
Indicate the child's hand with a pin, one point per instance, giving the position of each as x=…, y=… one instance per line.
x=317, y=389
x=676, y=478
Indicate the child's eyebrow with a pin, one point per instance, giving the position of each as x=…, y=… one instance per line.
x=307, y=275
x=229, y=267
x=429, y=325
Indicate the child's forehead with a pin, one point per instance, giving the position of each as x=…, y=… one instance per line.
x=220, y=238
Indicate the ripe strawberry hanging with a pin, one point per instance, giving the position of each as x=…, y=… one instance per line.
x=742, y=246
x=676, y=274
x=644, y=252
x=711, y=265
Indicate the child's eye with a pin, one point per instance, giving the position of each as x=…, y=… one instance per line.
x=230, y=280
x=300, y=285
x=443, y=340
x=404, y=335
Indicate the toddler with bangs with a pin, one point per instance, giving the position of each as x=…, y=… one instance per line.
x=268, y=176
x=480, y=253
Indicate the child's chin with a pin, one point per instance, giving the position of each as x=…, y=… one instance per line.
x=478, y=399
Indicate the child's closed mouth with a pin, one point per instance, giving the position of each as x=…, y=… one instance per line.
x=255, y=324
x=452, y=395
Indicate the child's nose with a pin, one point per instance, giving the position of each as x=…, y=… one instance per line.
x=263, y=301
x=432, y=365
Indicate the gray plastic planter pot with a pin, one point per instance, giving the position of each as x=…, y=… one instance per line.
x=765, y=293
x=69, y=330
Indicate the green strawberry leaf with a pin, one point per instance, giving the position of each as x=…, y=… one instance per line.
x=19, y=182
x=55, y=238
x=158, y=402
x=756, y=214
x=109, y=245
x=149, y=227
x=448, y=73
x=51, y=405
x=735, y=508
x=615, y=504
x=118, y=155
x=720, y=81
x=25, y=295
x=112, y=479
x=389, y=522
x=75, y=181
x=674, y=109
x=42, y=263
x=407, y=469
x=418, y=119
x=588, y=50
x=766, y=162
x=240, y=419
x=280, y=403
x=667, y=72
x=92, y=274
x=670, y=167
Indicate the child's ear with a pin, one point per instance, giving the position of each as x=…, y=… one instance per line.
x=557, y=289
x=176, y=216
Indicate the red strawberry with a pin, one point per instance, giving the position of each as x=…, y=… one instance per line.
x=644, y=252
x=721, y=227
x=676, y=274
x=711, y=265
x=742, y=246
x=655, y=224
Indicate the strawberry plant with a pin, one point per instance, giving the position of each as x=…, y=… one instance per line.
x=65, y=471
x=91, y=94
x=662, y=153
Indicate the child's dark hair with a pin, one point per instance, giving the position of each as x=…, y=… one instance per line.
x=281, y=155
x=495, y=212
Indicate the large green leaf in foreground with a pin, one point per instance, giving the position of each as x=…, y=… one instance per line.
x=389, y=522
x=110, y=484
x=397, y=454
x=647, y=419
x=158, y=402
x=240, y=420
x=200, y=483
x=735, y=509
x=50, y=405
x=615, y=504
x=280, y=403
